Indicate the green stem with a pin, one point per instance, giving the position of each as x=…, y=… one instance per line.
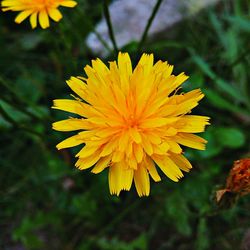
x=102, y=41
x=90, y=25
x=150, y=20
x=109, y=24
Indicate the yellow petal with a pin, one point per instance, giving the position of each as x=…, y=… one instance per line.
x=173, y=167
x=124, y=63
x=123, y=142
x=190, y=140
x=55, y=14
x=101, y=164
x=13, y=5
x=185, y=103
x=142, y=182
x=153, y=138
x=44, y=19
x=100, y=68
x=87, y=162
x=125, y=70
x=108, y=148
x=174, y=147
x=181, y=161
x=73, y=106
x=23, y=15
x=70, y=142
x=71, y=124
x=87, y=151
x=86, y=135
x=33, y=20
x=127, y=179
x=138, y=152
x=152, y=169
x=7, y=3
x=135, y=135
x=192, y=123
x=78, y=86
x=147, y=60
x=119, y=178
x=131, y=162
x=181, y=78
x=170, y=131
x=154, y=107
x=167, y=168
x=117, y=156
x=147, y=146
x=194, y=94
x=69, y=4
x=167, y=109
x=157, y=122
x=164, y=67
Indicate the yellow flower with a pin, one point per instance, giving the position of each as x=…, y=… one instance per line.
x=41, y=9
x=131, y=120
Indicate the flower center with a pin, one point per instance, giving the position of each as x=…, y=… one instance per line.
x=132, y=122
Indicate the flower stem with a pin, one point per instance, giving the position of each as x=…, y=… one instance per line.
x=109, y=24
x=102, y=41
x=150, y=20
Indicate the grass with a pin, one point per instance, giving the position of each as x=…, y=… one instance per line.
x=48, y=204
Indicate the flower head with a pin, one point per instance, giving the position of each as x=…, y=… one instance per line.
x=37, y=9
x=131, y=120
x=238, y=181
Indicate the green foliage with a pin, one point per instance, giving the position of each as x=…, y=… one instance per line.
x=222, y=138
x=136, y=244
x=48, y=204
x=202, y=242
x=230, y=137
x=177, y=210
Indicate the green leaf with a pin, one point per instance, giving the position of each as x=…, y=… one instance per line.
x=13, y=112
x=222, y=84
x=220, y=102
x=230, y=137
x=239, y=22
x=217, y=25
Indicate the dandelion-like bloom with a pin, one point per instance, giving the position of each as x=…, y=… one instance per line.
x=37, y=9
x=132, y=120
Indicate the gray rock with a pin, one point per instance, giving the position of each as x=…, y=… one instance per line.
x=129, y=18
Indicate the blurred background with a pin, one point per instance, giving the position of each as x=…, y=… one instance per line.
x=48, y=204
